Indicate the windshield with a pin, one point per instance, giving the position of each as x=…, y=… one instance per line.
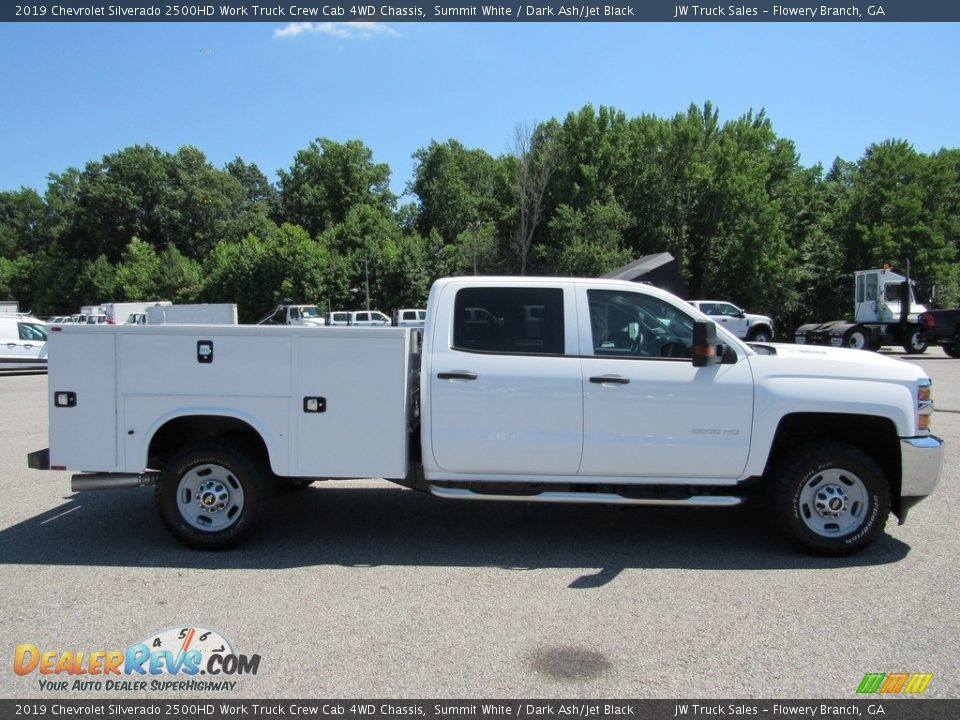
x=309, y=311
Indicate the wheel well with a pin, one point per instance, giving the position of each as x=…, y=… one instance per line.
x=190, y=430
x=876, y=436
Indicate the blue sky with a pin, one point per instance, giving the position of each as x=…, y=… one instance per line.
x=72, y=92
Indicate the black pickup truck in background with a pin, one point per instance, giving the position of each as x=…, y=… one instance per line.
x=942, y=327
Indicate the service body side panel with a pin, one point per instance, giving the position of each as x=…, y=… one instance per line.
x=161, y=379
x=363, y=377
x=85, y=435
x=133, y=380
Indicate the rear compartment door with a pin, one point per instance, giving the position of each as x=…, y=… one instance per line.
x=83, y=433
x=351, y=403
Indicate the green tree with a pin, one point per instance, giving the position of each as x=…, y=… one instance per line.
x=96, y=282
x=179, y=278
x=257, y=274
x=23, y=222
x=592, y=158
x=457, y=188
x=157, y=197
x=327, y=180
x=588, y=242
x=137, y=272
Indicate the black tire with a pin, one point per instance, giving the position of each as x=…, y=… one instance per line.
x=915, y=344
x=953, y=350
x=211, y=496
x=831, y=498
x=857, y=339
x=760, y=335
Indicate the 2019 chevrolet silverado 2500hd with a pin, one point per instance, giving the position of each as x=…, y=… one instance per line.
x=541, y=390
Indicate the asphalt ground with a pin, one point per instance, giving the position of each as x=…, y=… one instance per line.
x=362, y=589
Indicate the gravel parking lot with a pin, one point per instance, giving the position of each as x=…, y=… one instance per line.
x=363, y=589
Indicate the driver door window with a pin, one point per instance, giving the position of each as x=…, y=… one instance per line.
x=625, y=324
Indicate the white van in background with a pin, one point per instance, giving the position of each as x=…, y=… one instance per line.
x=23, y=343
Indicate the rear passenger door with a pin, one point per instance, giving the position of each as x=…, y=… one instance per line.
x=506, y=393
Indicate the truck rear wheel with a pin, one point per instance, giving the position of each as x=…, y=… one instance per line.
x=831, y=498
x=211, y=496
x=915, y=344
x=857, y=339
x=953, y=349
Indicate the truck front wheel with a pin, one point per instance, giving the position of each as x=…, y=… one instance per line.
x=211, y=496
x=760, y=334
x=831, y=498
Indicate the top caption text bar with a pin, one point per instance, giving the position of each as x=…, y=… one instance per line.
x=511, y=11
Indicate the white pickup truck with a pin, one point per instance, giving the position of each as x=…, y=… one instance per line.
x=560, y=390
x=746, y=326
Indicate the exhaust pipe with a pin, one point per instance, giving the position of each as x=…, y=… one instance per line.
x=111, y=481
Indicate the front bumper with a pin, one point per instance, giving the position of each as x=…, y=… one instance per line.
x=921, y=464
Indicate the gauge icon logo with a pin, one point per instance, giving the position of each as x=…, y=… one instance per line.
x=185, y=639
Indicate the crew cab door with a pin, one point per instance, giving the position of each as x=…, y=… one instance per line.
x=648, y=412
x=505, y=382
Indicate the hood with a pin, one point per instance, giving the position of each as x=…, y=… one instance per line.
x=821, y=361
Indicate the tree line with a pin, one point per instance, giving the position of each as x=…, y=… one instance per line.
x=578, y=196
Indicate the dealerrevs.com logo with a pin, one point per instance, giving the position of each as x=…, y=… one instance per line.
x=169, y=660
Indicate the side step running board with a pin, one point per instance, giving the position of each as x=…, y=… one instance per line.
x=598, y=498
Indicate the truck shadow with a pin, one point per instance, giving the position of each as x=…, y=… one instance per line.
x=372, y=526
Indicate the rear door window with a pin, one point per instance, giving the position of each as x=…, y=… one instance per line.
x=509, y=320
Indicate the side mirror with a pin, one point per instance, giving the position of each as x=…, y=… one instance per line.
x=705, y=344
